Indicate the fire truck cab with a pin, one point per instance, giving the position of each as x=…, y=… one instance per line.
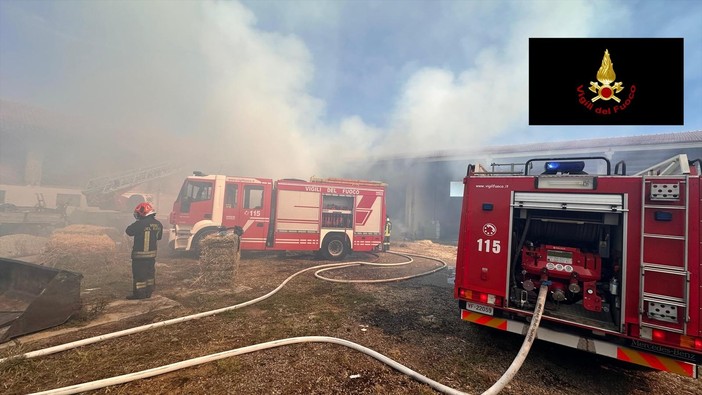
x=620, y=255
x=333, y=216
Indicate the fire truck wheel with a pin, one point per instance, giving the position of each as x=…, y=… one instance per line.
x=334, y=247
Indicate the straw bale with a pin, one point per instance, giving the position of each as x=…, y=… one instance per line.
x=122, y=241
x=21, y=245
x=219, y=259
x=79, y=251
x=112, y=233
x=85, y=229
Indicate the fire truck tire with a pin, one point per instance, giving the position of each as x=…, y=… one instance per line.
x=334, y=247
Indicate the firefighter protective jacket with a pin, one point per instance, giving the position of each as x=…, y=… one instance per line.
x=147, y=232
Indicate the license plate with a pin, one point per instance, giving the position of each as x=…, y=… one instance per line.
x=478, y=308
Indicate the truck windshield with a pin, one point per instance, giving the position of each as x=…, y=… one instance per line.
x=194, y=191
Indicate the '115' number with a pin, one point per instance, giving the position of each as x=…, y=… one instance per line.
x=488, y=245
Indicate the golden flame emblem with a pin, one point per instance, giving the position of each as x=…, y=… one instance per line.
x=606, y=76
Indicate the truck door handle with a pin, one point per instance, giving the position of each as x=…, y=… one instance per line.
x=260, y=224
x=208, y=216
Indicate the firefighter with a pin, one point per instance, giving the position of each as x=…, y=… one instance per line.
x=386, y=239
x=147, y=231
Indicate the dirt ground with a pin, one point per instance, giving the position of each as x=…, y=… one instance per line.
x=415, y=322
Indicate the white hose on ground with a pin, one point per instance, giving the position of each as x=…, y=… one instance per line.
x=526, y=346
x=496, y=388
x=142, y=328
x=74, y=389
x=383, y=265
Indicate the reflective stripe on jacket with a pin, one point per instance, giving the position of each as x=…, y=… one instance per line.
x=147, y=232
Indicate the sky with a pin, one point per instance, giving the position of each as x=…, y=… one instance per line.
x=298, y=88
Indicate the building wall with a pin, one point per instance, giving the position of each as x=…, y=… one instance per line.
x=32, y=195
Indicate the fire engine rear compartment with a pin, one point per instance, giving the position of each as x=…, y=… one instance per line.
x=580, y=250
x=619, y=255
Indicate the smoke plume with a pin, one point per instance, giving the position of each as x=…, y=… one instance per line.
x=206, y=84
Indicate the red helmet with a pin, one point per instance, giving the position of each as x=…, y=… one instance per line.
x=143, y=210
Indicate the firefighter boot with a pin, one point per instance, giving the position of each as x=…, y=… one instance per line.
x=139, y=291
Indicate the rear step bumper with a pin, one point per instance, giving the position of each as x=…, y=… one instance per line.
x=592, y=345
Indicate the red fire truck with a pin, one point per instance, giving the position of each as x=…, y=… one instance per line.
x=620, y=255
x=332, y=216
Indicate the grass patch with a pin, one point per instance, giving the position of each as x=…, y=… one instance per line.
x=190, y=299
x=229, y=366
x=16, y=369
x=14, y=360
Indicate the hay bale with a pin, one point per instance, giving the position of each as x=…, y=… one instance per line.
x=20, y=245
x=84, y=229
x=122, y=241
x=79, y=251
x=219, y=259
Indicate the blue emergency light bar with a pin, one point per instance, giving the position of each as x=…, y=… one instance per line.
x=564, y=167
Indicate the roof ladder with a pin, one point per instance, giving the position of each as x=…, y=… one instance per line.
x=124, y=181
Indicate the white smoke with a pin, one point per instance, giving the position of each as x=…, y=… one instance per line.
x=444, y=110
x=260, y=115
x=205, y=84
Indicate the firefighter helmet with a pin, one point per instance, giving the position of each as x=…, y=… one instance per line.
x=143, y=210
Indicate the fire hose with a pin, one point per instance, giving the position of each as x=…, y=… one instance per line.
x=142, y=328
x=497, y=387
